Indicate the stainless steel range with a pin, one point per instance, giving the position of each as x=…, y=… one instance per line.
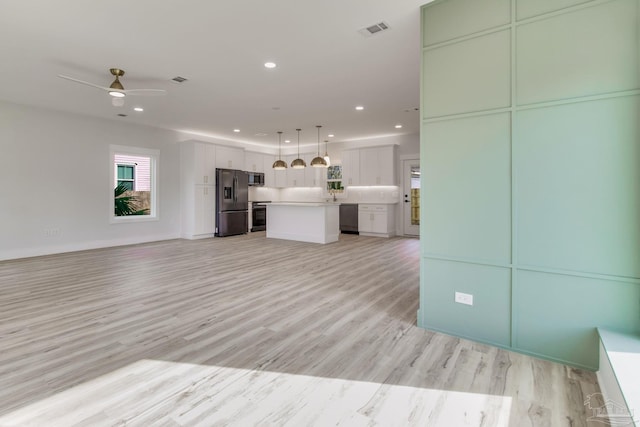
x=259, y=215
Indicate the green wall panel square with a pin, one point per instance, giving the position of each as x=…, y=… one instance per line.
x=557, y=315
x=600, y=56
x=466, y=188
x=487, y=320
x=578, y=186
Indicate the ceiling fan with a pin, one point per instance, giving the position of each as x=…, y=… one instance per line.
x=116, y=90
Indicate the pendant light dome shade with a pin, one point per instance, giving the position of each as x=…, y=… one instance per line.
x=298, y=163
x=279, y=164
x=318, y=162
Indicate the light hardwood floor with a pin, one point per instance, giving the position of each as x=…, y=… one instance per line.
x=250, y=331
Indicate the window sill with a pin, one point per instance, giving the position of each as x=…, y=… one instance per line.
x=132, y=218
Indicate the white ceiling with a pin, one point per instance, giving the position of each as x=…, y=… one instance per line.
x=325, y=67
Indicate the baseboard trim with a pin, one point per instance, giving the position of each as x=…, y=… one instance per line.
x=82, y=246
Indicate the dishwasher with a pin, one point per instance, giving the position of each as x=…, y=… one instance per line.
x=349, y=218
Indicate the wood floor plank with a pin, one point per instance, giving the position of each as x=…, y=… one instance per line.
x=248, y=331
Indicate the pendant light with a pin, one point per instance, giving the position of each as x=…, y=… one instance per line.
x=326, y=154
x=318, y=162
x=298, y=163
x=279, y=164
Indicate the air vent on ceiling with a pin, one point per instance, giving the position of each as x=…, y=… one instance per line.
x=374, y=29
x=178, y=79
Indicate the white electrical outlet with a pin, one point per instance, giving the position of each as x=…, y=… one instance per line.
x=463, y=298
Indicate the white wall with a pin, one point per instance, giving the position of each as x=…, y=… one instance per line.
x=54, y=180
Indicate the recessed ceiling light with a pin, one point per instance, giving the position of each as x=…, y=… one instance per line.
x=359, y=108
x=398, y=126
x=331, y=135
x=236, y=130
x=270, y=65
x=287, y=141
x=139, y=109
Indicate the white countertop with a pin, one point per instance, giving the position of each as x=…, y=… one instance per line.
x=303, y=204
x=329, y=203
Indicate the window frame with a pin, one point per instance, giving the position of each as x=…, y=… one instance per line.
x=154, y=161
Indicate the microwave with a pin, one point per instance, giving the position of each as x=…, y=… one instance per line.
x=256, y=178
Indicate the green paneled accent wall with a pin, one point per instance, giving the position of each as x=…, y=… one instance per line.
x=469, y=211
x=489, y=318
x=530, y=159
x=530, y=8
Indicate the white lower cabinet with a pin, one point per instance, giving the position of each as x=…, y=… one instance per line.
x=376, y=220
x=200, y=217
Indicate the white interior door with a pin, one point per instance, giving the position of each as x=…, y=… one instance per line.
x=411, y=196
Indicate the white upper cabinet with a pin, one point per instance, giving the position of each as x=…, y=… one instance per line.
x=387, y=161
x=378, y=166
x=350, y=167
x=254, y=162
x=295, y=177
x=269, y=172
x=198, y=163
x=369, y=166
x=280, y=178
x=229, y=157
x=313, y=176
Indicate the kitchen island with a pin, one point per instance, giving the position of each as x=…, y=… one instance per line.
x=304, y=222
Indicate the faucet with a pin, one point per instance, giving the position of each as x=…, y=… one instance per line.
x=333, y=193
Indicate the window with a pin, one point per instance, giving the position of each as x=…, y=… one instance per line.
x=133, y=185
x=334, y=179
x=126, y=175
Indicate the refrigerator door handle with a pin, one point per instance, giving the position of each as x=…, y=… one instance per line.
x=235, y=189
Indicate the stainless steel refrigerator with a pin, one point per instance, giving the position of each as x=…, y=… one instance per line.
x=232, y=202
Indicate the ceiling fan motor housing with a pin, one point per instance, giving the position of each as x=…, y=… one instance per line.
x=116, y=83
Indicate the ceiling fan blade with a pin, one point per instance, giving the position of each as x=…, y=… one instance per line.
x=83, y=82
x=145, y=92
